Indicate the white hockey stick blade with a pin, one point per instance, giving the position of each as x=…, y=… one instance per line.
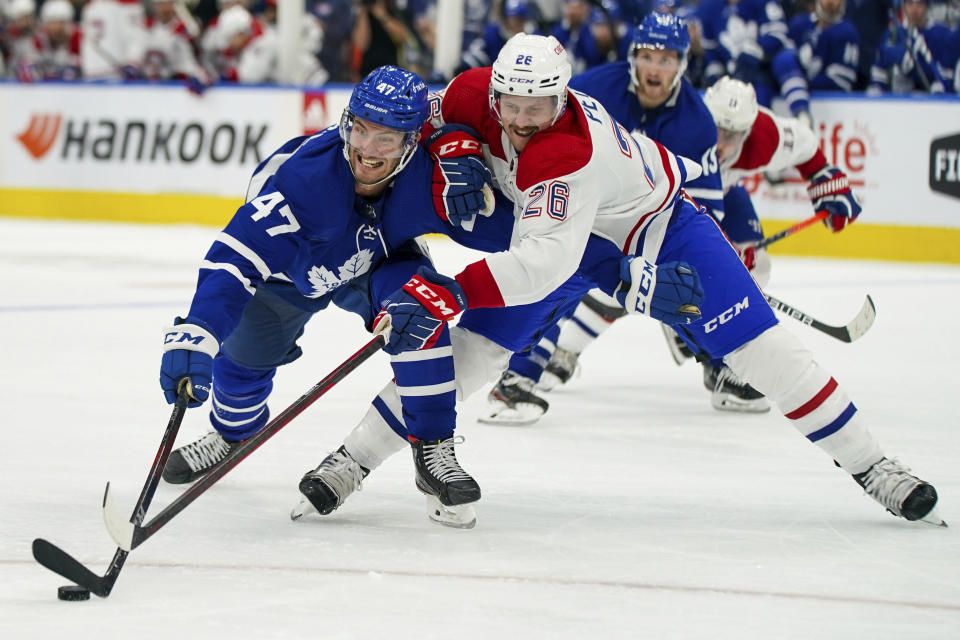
x=864, y=320
x=119, y=527
x=461, y=516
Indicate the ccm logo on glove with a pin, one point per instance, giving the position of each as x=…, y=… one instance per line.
x=442, y=305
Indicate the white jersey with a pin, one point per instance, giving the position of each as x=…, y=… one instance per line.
x=113, y=38
x=774, y=143
x=168, y=52
x=585, y=175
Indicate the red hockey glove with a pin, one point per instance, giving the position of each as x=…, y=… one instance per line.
x=830, y=191
x=459, y=174
x=417, y=312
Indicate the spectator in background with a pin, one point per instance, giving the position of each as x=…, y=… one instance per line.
x=113, y=40
x=910, y=57
x=588, y=34
x=761, y=54
x=336, y=18
x=213, y=42
x=871, y=19
x=511, y=17
x=378, y=35
x=312, y=72
x=169, y=49
x=828, y=46
x=58, y=43
x=250, y=55
x=21, y=50
x=712, y=17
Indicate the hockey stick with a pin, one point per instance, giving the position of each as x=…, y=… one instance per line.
x=59, y=561
x=849, y=332
x=789, y=231
x=130, y=535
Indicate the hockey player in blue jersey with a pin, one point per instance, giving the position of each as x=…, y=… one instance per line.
x=828, y=46
x=648, y=95
x=914, y=54
x=330, y=219
x=752, y=46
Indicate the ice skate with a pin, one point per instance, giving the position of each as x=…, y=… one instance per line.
x=678, y=348
x=561, y=367
x=730, y=393
x=325, y=488
x=513, y=402
x=189, y=462
x=438, y=473
x=903, y=494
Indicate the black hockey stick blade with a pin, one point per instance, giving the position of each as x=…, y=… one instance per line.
x=59, y=561
x=849, y=332
x=130, y=535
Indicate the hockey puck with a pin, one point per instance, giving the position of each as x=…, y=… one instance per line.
x=73, y=592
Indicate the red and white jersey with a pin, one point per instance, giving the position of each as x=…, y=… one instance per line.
x=774, y=143
x=583, y=175
x=58, y=60
x=168, y=52
x=257, y=62
x=113, y=38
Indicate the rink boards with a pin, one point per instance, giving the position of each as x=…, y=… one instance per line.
x=159, y=154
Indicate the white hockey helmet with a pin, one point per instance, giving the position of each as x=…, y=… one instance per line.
x=531, y=65
x=20, y=8
x=732, y=103
x=234, y=20
x=56, y=11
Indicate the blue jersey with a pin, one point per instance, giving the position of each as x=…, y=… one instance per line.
x=830, y=57
x=303, y=224
x=683, y=124
x=712, y=16
x=766, y=23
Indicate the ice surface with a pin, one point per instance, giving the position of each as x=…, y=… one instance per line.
x=632, y=510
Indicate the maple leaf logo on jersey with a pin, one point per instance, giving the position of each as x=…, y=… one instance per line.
x=324, y=281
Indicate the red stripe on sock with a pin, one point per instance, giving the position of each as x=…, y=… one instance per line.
x=814, y=402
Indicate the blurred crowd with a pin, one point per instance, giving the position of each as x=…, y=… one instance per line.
x=786, y=48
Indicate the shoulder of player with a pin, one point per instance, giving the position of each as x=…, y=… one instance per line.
x=552, y=155
x=762, y=142
x=315, y=172
x=599, y=78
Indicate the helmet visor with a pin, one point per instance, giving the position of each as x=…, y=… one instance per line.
x=374, y=140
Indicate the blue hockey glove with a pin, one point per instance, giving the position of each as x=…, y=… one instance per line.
x=669, y=292
x=188, y=352
x=459, y=174
x=415, y=313
x=830, y=191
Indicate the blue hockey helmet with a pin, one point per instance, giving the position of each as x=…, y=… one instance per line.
x=389, y=97
x=660, y=31
x=516, y=8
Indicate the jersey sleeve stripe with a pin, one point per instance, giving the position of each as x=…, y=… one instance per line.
x=232, y=270
x=245, y=252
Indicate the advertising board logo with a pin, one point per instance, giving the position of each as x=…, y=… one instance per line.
x=40, y=134
x=945, y=165
x=122, y=140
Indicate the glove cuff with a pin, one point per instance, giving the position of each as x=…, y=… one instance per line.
x=190, y=337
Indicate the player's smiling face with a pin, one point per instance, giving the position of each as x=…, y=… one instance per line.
x=375, y=150
x=522, y=116
x=655, y=69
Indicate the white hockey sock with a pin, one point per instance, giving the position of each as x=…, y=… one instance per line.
x=373, y=441
x=778, y=365
x=586, y=325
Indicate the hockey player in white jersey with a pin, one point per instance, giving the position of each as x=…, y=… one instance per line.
x=750, y=138
x=580, y=185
